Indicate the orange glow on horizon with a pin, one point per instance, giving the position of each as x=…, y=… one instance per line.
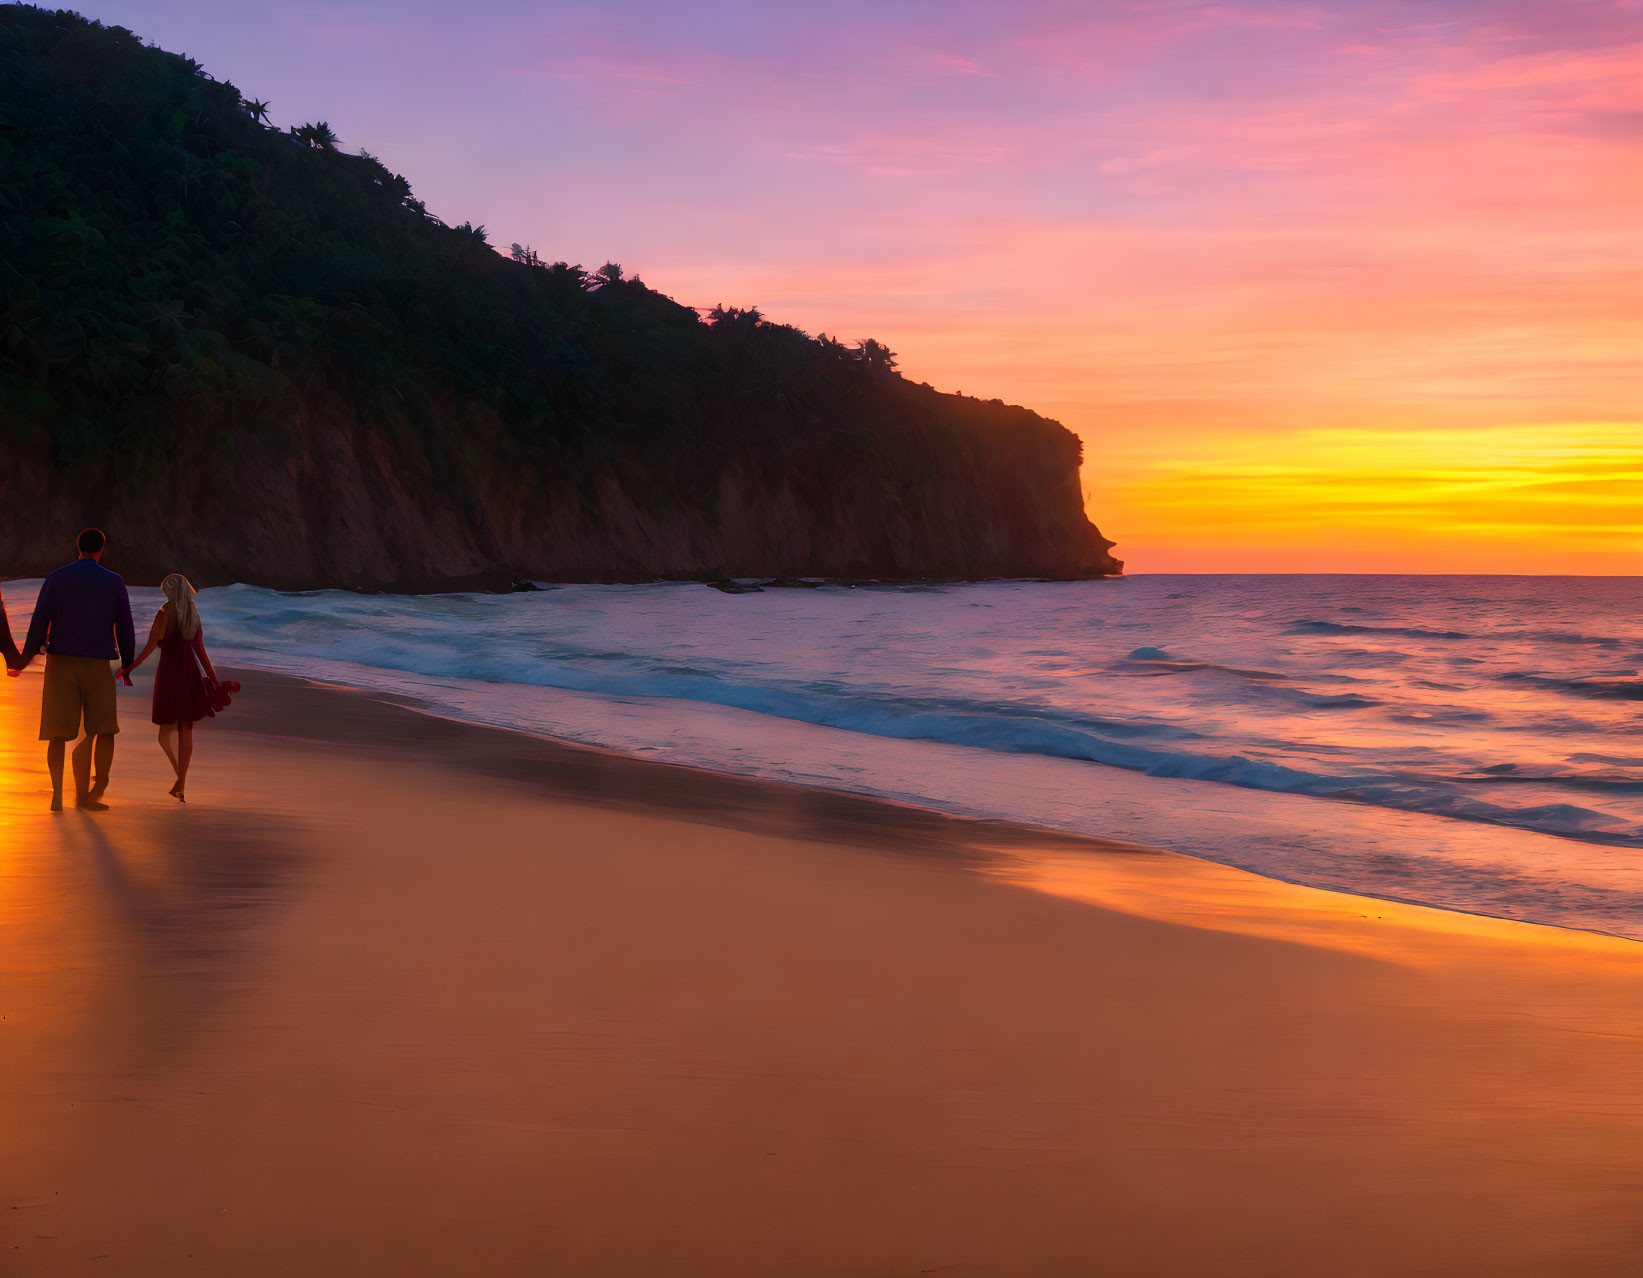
x=1564, y=498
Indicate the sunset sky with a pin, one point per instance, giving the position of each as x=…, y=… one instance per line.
x=1345, y=286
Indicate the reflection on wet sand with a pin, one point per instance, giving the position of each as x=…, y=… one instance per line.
x=123, y=936
x=392, y=995
x=116, y=903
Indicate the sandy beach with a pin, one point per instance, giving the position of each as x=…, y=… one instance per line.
x=393, y=995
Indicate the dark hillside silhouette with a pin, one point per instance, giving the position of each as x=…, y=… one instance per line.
x=249, y=344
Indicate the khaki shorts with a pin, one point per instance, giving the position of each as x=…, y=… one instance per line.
x=76, y=685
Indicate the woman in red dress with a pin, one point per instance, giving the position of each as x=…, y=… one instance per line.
x=180, y=696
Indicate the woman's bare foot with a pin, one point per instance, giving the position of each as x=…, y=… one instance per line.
x=177, y=793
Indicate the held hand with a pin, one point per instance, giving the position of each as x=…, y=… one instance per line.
x=125, y=676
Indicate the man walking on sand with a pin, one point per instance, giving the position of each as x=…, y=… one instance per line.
x=83, y=621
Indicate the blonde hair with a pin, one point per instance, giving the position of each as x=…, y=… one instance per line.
x=180, y=595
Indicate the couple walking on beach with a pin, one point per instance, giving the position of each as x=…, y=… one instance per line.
x=82, y=620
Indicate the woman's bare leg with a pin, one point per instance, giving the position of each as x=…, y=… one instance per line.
x=185, y=752
x=167, y=731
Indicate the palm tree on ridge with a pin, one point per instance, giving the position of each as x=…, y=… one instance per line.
x=319, y=136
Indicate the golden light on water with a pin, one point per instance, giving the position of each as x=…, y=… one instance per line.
x=1204, y=895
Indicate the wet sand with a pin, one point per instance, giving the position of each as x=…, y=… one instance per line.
x=396, y=996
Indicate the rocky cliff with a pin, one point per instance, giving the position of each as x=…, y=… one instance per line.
x=251, y=356
x=328, y=502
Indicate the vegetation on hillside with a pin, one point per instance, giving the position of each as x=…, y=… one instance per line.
x=166, y=255
x=222, y=333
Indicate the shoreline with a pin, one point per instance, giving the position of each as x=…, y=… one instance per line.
x=398, y=994
x=1016, y=832
x=1078, y=867
x=841, y=814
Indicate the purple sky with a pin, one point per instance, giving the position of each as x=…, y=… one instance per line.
x=1241, y=244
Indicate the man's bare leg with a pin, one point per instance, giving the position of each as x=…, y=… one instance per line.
x=54, y=765
x=102, y=757
x=80, y=760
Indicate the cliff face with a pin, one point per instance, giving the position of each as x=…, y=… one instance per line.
x=328, y=502
x=250, y=356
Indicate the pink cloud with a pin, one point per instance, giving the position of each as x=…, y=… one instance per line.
x=954, y=64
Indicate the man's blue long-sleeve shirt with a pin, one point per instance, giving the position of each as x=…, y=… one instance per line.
x=83, y=611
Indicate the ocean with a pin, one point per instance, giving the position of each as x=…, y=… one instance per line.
x=1466, y=742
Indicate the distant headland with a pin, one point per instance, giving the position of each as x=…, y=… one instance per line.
x=255, y=357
